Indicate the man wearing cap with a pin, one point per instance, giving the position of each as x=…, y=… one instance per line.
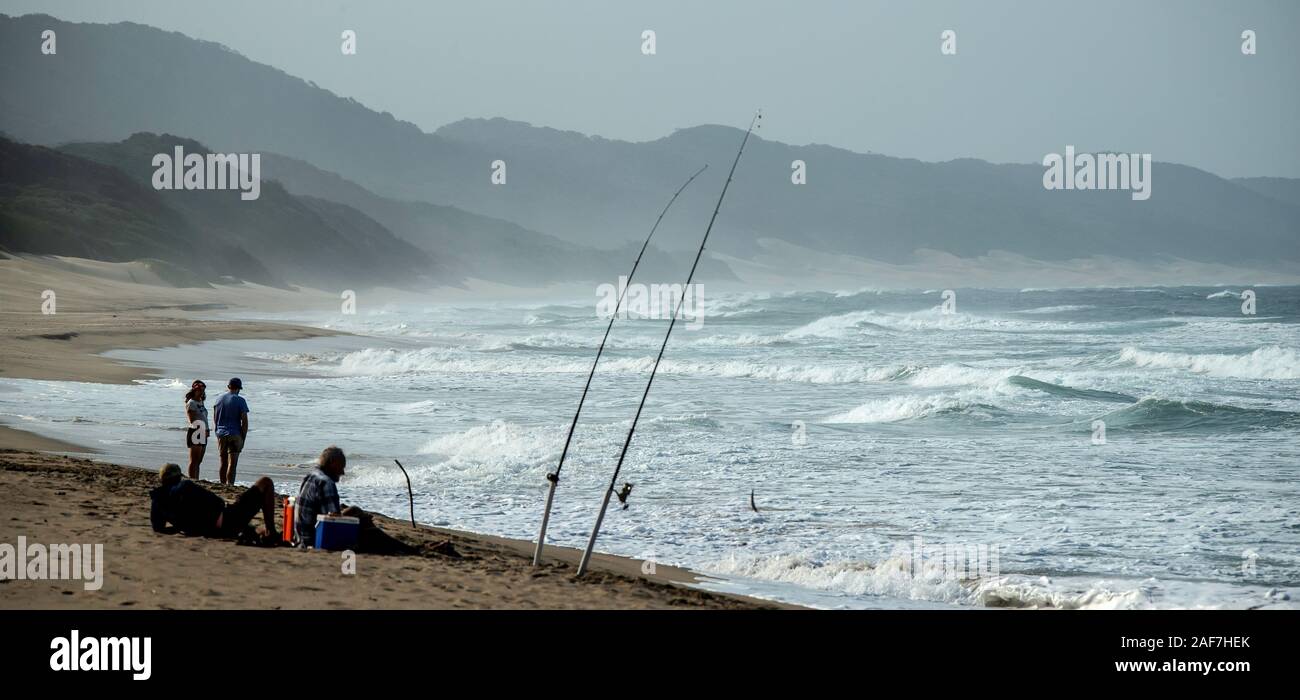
x=179, y=504
x=231, y=413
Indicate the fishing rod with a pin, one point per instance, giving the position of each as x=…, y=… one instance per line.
x=627, y=488
x=554, y=477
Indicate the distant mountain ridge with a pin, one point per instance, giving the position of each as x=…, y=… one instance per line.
x=597, y=192
x=65, y=202
x=53, y=203
x=473, y=246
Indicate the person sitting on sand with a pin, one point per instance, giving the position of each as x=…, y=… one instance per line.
x=196, y=416
x=180, y=505
x=232, y=427
x=319, y=495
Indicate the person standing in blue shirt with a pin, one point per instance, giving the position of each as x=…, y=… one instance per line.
x=231, y=412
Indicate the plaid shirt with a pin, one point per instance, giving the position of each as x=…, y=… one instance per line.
x=317, y=495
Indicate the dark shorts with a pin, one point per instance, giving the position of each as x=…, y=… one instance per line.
x=230, y=444
x=192, y=441
x=239, y=514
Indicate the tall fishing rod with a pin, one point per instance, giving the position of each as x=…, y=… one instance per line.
x=604, y=504
x=554, y=477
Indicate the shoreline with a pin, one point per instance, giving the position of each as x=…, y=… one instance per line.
x=61, y=314
x=53, y=497
x=59, y=499
x=14, y=438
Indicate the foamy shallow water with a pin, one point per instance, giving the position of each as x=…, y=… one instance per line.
x=860, y=421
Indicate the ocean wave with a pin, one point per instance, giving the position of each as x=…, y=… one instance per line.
x=381, y=362
x=563, y=342
x=838, y=325
x=165, y=383
x=1066, y=308
x=304, y=359
x=504, y=452
x=1069, y=392
x=543, y=342
x=1002, y=379
x=1225, y=294
x=1174, y=415
x=857, y=322
x=893, y=578
x=543, y=318
x=901, y=408
x=744, y=369
x=956, y=375
x=1269, y=362
x=419, y=407
x=500, y=450
x=744, y=340
x=737, y=304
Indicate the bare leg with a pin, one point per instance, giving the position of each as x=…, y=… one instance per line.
x=225, y=457
x=267, y=487
x=196, y=458
x=234, y=462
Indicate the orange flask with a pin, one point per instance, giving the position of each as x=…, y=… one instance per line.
x=287, y=530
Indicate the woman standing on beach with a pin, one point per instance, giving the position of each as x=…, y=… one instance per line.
x=196, y=415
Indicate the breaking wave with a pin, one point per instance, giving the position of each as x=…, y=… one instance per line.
x=857, y=322
x=901, y=408
x=1269, y=362
x=892, y=578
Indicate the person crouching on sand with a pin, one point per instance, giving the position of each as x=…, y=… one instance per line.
x=180, y=505
x=319, y=495
x=196, y=416
x=232, y=428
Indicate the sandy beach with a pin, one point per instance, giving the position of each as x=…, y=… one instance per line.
x=56, y=499
x=53, y=498
x=107, y=306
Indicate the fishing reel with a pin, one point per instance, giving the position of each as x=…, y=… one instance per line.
x=553, y=477
x=623, y=493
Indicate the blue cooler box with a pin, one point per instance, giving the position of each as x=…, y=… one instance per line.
x=336, y=531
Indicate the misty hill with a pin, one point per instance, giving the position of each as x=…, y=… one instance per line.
x=95, y=200
x=52, y=203
x=885, y=208
x=483, y=247
x=1282, y=189
x=111, y=80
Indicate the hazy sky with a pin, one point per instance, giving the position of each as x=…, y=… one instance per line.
x=1165, y=77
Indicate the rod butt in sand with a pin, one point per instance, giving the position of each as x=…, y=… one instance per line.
x=595, y=532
